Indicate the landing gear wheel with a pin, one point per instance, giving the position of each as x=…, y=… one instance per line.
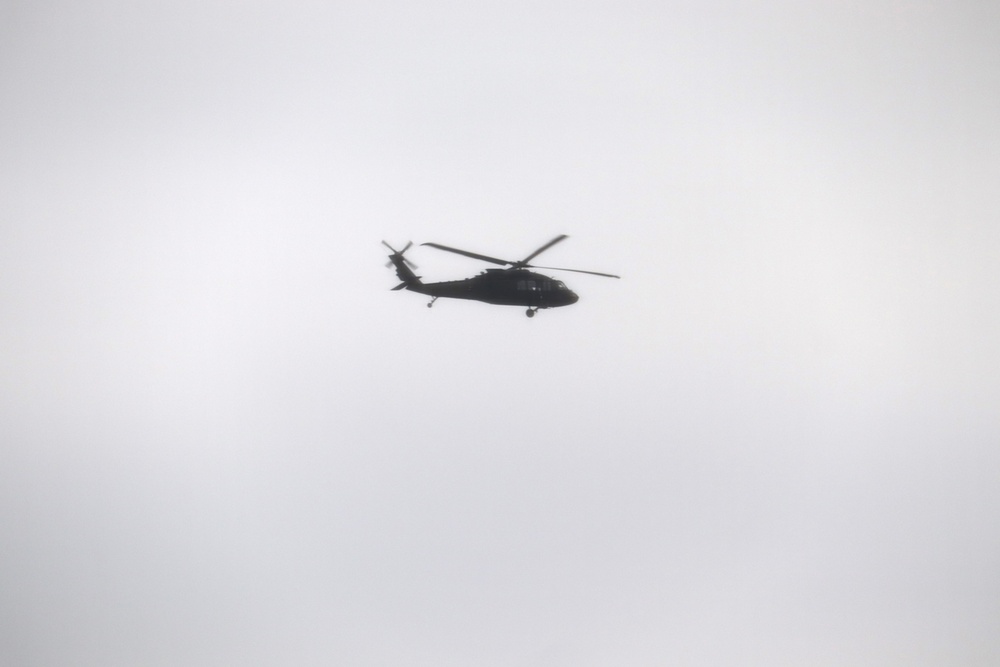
x=431, y=303
x=530, y=312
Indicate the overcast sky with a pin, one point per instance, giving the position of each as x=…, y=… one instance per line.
x=775, y=441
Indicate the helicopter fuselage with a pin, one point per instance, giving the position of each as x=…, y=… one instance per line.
x=508, y=287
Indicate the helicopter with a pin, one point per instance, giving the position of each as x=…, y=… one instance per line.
x=514, y=285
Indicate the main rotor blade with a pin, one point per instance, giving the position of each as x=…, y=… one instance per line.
x=473, y=255
x=593, y=273
x=545, y=247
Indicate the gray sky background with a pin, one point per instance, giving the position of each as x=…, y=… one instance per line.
x=773, y=442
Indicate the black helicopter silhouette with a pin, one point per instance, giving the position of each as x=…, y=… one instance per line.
x=512, y=286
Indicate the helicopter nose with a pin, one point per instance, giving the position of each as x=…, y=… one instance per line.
x=573, y=298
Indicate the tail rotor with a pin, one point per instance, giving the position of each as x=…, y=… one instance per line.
x=399, y=254
x=404, y=267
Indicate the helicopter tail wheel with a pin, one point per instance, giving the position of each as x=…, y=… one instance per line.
x=431, y=302
x=530, y=312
